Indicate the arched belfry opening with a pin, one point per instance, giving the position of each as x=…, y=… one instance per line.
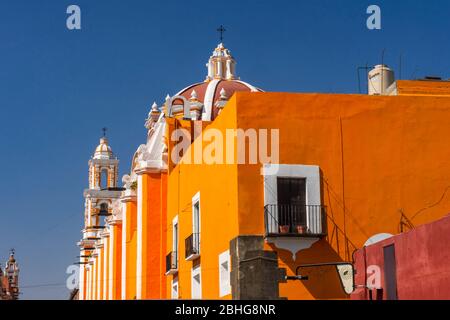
x=104, y=179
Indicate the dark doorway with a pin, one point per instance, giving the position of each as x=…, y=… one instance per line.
x=390, y=272
x=291, y=194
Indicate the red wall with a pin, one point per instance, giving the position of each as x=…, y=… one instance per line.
x=422, y=263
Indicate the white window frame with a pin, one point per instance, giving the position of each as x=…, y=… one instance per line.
x=224, y=279
x=196, y=290
x=196, y=200
x=175, y=235
x=272, y=172
x=175, y=244
x=174, y=293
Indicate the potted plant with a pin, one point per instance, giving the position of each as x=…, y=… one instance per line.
x=284, y=229
x=301, y=229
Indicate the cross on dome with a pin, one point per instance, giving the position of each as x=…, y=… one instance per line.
x=222, y=30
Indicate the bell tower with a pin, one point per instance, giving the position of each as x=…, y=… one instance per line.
x=12, y=277
x=103, y=178
x=99, y=197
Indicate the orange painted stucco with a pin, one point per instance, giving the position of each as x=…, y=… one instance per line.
x=117, y=262
x=218, y=187
x=106, y=268
x=153, y=217
x=378, y=156
x=423, y=88
x=131, y=240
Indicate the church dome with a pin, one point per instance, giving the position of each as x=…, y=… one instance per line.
x=103, y=151
x=221, y=83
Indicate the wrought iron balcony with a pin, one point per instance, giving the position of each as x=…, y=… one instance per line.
x=192, y=246
x=295, y=221
x=172, y=263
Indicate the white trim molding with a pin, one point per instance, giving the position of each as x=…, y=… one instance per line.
x=196, y=282
x=124, y=251
x=311, y=173
x=174, y=288
x=224, y=274
x=175, y=246
x=140, y=234
x=271, y=173
x=196, y=200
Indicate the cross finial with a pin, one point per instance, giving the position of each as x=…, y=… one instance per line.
x=12, y=251
x=221, y=29
x=104, y=131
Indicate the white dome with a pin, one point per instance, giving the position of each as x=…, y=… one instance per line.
x=103, y=151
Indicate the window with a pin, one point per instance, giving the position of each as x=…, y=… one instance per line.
x=291, y=202
x=292, y=199
x=175, y=238
x=174, y=286
x=196, y=283
x=196, y=223
x=224, y=274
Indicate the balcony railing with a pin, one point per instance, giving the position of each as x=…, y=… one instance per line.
x=192, y=246
x=172, y=263
x=295, y=220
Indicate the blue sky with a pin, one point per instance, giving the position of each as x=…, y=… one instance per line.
x=58, y=88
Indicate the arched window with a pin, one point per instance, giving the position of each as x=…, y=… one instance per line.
x=104, y=179
x=104, y=209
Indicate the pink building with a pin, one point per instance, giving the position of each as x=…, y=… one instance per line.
x=410, y=266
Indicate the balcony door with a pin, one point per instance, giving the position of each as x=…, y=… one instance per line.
x=291, y=194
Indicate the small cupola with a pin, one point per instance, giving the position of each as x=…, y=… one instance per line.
x=221, y=64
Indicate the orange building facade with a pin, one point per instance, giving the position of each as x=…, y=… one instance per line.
x=238, y=191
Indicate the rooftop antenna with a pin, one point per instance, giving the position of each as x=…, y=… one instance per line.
x=414, y=72
x=366, y=68
x=382, y=73
x=400, y=67
x=221, y=30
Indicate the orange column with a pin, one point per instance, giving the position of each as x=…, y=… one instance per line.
x=94, y=279
x=163, y=234
x=150, y=219
x=106, y=267
x=82, y=281
x=100, y=273
x=129, y=249
x=117, y=261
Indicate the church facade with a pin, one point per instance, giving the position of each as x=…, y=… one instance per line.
x=9, y=279
x=244, y=194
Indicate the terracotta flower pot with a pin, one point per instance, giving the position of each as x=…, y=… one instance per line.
x=284, y=229
x=301, y=229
